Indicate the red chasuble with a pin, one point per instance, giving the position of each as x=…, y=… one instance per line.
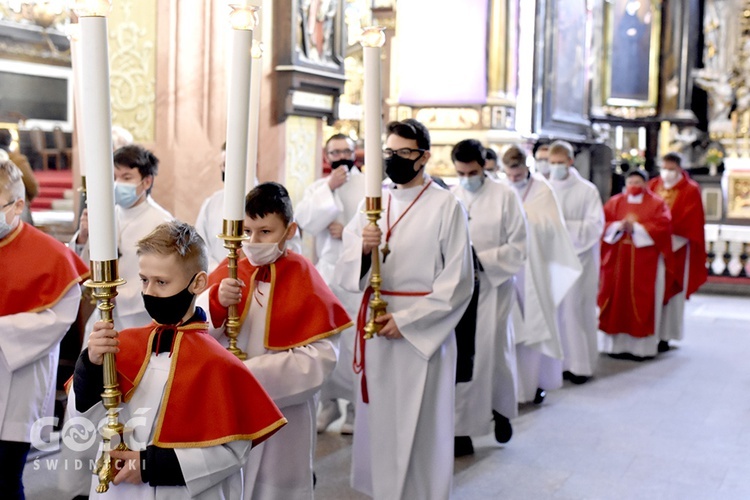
x=37, y=271
x=628, y=274
x=685, y=203
x=211, y=398
x=302, y=307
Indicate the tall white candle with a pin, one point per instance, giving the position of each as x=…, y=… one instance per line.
x=618, y=138
x=256, y=76
x=641, y=138
x=373, y=39
x=664, y=133
x=96, y=131
x=238, y=108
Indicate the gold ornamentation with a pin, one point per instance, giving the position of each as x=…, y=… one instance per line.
x=103, y=283
x=133, y=67
x=233, y=237
x=373, y=209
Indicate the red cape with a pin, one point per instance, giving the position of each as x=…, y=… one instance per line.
x=688, y=220
x=628, y=274
x=37, y=271
x=211, y=398
x=302, y=307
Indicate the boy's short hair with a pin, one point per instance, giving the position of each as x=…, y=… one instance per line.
x=411, y=129
x=269, y=198
x=514, y=156
x=467, y=151
x=637, y=173
x=540, y=144
x=674, y=158
x=339, y=136
x=179, y=238
x=490, y=154
x=11, y=180
x=562, y=147
x=135, y=156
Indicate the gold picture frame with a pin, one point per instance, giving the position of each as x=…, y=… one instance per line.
x=738, y=195
x=632, y=28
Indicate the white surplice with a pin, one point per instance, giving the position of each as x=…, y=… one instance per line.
x=29, y=352
x=319, y=208
x=577, y=316
x=281, y=467
x=622, y=342
x=408, y=423
x=497, y=227
x=209, y=226
x=133, y=224
x=673, y=312
x=210, y=473
x=551, y=269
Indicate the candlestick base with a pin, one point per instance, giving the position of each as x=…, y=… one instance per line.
x=373, y=209
x=233, y=236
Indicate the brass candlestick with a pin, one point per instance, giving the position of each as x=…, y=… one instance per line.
x=373, y=209
x=104, y=283
x=233, y=237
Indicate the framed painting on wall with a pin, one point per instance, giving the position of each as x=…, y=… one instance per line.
x=632, y=41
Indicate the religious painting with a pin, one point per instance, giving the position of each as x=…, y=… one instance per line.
x=633, y=28
x=712, y=203
x=319, y=32
x=563, y=69
x=738, y=195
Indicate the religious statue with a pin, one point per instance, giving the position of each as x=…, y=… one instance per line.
x=317, y=29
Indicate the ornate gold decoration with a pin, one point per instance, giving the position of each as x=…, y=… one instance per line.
x=373, y=209
x=629, y=112
x=104, y=282
x=450, y=118
x=133, y=67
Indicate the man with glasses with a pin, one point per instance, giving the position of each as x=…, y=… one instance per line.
x=327, y=205
x=403, y=442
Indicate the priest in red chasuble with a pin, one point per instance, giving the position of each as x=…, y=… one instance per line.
x=683, y=197
x=635, y=270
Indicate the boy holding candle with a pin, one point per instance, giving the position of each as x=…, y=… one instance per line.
x=403, y=446
x=288, y=316
x=137, y=214
x=39, y=297
x=191, y=434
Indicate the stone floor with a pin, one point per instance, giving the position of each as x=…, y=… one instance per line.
x=677, y=427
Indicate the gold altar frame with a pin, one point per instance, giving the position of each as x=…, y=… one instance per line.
x=738, y=195
x=649, y=101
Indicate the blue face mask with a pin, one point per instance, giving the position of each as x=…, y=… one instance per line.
x=558, y=171
x=5, y=228
x=126, y=194
x=473, y=183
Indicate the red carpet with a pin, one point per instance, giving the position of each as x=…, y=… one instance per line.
x=52, y=186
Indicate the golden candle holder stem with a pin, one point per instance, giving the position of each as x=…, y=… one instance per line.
x=373, y=209
x=233, y=236
x=103, y=284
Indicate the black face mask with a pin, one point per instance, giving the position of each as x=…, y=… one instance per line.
x=338, y=163
x=400, y=170
x=222, y=176
x=169, y=310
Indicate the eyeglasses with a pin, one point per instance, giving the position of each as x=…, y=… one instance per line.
x=340, y=152
x=403, y=152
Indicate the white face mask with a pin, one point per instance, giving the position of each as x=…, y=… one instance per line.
x=670, y=177
x=558, y=171
x=5, y=228
x=542, y=166
x=262, y=254
x=520, y=185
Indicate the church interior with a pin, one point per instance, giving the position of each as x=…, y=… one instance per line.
x=624, y=82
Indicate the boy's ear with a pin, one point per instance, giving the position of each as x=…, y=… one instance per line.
x=200, y=283
x=291, y=231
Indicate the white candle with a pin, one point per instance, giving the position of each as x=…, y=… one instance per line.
x=74, y=33
x=96, y=131
x=618, y=138
x=372, y=41
x=238, y=107
x=256, y=76
x=641, y=138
